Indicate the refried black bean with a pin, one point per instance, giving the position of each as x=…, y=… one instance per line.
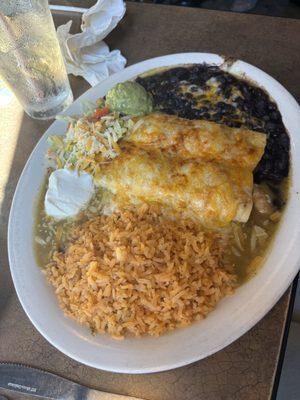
x=237, y=103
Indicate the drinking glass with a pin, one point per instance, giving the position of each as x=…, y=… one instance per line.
x=31, y=63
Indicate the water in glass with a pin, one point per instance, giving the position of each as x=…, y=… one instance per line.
x=30, y=58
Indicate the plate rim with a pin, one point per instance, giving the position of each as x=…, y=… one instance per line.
x=167, y=366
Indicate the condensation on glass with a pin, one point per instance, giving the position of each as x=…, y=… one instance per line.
x=31, y=63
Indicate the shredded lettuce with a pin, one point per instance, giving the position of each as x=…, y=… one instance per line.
x=89, y=142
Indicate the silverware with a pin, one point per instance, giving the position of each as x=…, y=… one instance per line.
x=42, y=384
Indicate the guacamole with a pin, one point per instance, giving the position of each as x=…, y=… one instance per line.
x=129, y=98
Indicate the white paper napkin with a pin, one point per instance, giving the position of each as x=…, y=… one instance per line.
x=85, y=53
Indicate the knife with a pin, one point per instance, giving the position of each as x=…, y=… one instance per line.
x=42, y=384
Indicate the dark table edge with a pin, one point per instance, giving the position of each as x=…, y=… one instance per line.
x=76, y=4
x=284, y=339
x=249, y=12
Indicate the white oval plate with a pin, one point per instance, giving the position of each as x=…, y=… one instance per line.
x=232, y=317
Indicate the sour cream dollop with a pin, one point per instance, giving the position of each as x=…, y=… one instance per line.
x=68, y=193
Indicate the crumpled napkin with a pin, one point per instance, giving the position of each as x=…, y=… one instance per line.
x=85, y=53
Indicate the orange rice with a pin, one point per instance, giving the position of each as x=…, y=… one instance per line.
x=135, y=272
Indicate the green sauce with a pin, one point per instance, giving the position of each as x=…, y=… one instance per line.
x=129, y=98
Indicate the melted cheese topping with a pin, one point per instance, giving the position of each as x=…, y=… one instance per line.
x=199, y=139
x=213, y=193
x=195, y=167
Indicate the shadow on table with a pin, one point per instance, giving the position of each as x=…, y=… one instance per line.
x=19, y=135
x=22, y=136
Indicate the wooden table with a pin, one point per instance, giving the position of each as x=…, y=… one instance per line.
x=244, y=370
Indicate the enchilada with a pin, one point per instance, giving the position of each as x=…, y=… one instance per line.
x=199, y=168
x=199, y=139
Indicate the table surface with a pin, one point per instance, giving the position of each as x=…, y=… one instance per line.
x=245, y=370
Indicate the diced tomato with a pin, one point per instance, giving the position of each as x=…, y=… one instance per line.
x=100, y=112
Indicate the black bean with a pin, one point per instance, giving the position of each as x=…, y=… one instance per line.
x=240, y=101
x=245, y=106
x=202, y=109
x=173, y=79
x=275, y=115
x=217, y=116
x=189, y=96
x=233, y=124
x=194, y=89
x=254, y=108
x=272, y=106
x=222, y=78
x=270, y=126
x=227, y=92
